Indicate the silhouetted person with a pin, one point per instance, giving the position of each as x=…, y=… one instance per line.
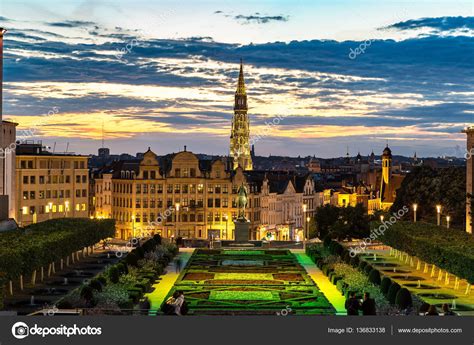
x=432, y=311
x=368, y=305
x=178, y=264
x=352, y=304
x=447, y=311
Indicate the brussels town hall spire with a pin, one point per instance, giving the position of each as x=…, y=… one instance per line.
x=240, y=133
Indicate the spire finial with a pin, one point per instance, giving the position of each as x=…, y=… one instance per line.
x=241, y=84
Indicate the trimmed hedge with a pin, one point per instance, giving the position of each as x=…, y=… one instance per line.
x=449, y=249
x=403, y=299
x=392, y=292
x=385, y=285
x=38, y=245
x=374, y=277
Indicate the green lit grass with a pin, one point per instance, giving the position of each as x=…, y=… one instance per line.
x=244, y=295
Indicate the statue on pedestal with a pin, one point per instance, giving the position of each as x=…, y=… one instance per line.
x=242, y=202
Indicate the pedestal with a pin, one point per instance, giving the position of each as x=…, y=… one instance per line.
x=242, y=231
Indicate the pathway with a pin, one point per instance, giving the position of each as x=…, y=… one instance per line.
x=163, y=286
x=327, y=288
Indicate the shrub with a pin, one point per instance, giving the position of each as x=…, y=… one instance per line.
x=114, y=274
x=132, y=259
x=139, y=252
x=354, y=261
x=403, y=299
x=102, y=280
x=374, y=276
x=346, y=257
x=122, y=268
x=362, y=265
x=327, y=241
x=385, y=285
x=367, y=269
x=392, y=292
x=338, y=249
x=157, y=239
x=95, y=284
x=87, y=293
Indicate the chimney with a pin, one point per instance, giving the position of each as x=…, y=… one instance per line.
x=2, y=32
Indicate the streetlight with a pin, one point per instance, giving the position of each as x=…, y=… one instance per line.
x=226, y=225
x=133, y=226
x=304, y=225
x=438, y=210
x=381, y=218
x=415, y=206
x=66, y=208
x=448, y=218
x=176, y=205
x=50, y=205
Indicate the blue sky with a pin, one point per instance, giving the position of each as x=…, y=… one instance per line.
x=162, y=74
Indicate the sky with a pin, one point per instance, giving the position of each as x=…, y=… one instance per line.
x=162, y=74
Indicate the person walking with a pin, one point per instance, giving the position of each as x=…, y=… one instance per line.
x=178, y=264
x=368, y=305
x=352, y=304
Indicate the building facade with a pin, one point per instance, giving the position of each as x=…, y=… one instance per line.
x=7, y=153
x=50, y=185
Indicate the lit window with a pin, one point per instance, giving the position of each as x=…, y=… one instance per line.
x=24, y=210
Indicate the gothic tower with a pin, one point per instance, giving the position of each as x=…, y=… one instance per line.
x=240, y=133
x=469, y=177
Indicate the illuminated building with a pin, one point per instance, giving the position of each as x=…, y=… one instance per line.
x=7, y=153
x=50, y=185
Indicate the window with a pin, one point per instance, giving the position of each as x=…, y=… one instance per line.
x=159, y=188
x=48, y=194
x=177, y=172
x=84, y=178
x=24, y=210
x=177, y=188
x=185, y=172
x=68, y=179
x=78, y=179
x=139, y=188
x=225, y=189
x=210, y=188
x=138, y=203
x=225, y=202
x=25, y=195
x=32, y=179
x=145, y=189
x=78, y=207
x=200, y=217
x=41, y=179
x=152, y=188
x=192, y=172
x=217, y=217
x=185, y=188
x=169, y=188
x=32, y=195
x=25, y=180
x=200, y=188
x=218, y=188
x=145, y=175
x=78, y=193
x=153, y=174
x=217, y=202
x=192, y=188
x=210, y=202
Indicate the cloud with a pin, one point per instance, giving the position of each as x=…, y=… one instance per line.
x=71, y=24
x=258, y=19
x=436, y=25
x=255, y=18
x=419, y=88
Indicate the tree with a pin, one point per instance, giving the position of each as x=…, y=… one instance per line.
x=325, y=217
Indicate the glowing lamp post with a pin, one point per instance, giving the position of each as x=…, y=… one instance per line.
x=177, y=206
x=438, y=210
x=133, y=226
x=381, y=218
x=415, y=206
x=66, y=208
x=304, y=225
x=448, y=218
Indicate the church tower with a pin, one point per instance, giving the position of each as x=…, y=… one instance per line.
x=386, y=195
x=240, y=133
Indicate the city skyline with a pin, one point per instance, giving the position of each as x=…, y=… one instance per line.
x=153, y=89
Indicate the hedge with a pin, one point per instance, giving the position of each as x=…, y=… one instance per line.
x=449, y=249
x=37, y=245
x=403, y=299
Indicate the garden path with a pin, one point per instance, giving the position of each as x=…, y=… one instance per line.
x=162, y=287
x=327, y=288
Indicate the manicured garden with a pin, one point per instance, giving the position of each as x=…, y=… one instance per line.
x=121, y=287
x=351, y=274
x=449, y=249
x=249, y=282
